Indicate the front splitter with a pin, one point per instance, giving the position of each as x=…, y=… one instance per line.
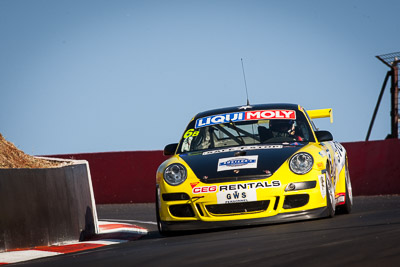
x=279, y=218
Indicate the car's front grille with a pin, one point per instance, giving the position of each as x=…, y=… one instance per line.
x=295, y=201
x=181, y=210
x=241, y=207
x=175, y=196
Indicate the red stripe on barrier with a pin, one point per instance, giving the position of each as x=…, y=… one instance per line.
x=69, y=248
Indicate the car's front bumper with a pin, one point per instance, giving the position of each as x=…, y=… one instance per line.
x=279, y=218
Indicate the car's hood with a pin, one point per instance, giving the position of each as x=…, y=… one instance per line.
x=239, y=163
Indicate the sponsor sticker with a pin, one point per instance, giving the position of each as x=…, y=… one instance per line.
x=194, y=184
x=233, y=149
x=245, y=116
x=250, y=185
x=322, y=185
x=337, y=160
x=204, y=189
x=320, y=166
x=233, y=163
x=232, y=193
x=237, y=196
x=243, y=192
x=340, y=155
x=296, y=144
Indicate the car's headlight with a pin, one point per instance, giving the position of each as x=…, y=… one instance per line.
x=301, y=163
x=175, y=174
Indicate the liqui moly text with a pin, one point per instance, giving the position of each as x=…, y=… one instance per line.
x=245, y=116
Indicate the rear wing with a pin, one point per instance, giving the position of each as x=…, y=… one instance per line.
x=320, y=113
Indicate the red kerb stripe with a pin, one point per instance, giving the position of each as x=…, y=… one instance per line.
x=69, y=248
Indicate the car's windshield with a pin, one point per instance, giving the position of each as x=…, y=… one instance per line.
x=246, y=128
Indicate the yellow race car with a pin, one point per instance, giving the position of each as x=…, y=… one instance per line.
x=250, y=165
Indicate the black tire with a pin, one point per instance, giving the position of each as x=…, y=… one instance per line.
x=348, y=205
x=330, y=195
x=161, y=224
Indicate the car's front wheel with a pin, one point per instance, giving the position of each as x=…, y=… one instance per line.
x=330, y=195
x=160, y=224
x=348, y=204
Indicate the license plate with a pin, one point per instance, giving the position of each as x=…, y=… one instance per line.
x=235, y=196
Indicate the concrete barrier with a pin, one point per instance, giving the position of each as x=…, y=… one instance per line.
x=122, y=177
x=129, y=177
x=41, y=207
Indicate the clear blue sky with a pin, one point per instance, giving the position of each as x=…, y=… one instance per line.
x=97, y=76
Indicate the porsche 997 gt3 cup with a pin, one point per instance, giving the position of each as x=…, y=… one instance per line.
x=250, y=165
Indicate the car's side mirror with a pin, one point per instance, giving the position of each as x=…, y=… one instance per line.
x=170, y=149
x=323, y=136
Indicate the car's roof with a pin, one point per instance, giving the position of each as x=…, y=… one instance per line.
x=246, y=108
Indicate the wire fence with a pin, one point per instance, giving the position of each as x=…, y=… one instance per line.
x=392, y=60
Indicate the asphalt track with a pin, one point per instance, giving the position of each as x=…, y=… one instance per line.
x=369, y=236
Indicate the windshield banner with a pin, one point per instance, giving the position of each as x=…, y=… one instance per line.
x=246, y=116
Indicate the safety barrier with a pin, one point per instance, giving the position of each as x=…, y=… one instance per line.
x=122, y=177
x=129, y=177
x=41, y=207
x=374, y=166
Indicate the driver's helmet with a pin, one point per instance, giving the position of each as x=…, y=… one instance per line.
x=281, y=126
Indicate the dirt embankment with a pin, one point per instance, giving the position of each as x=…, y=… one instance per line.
x=12, y=157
